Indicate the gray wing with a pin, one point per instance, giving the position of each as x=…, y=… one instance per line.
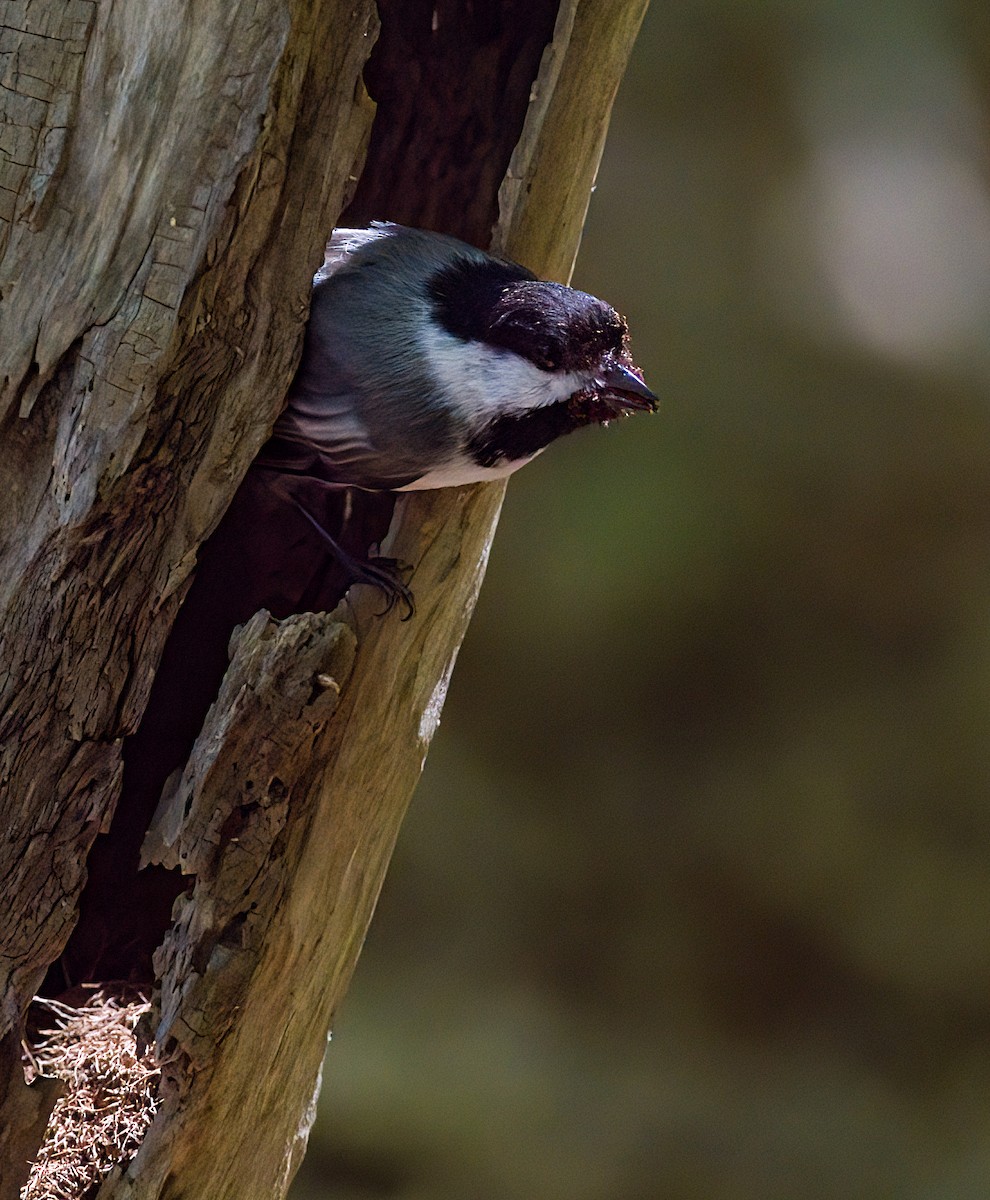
x=362, y=410
x=325, y=441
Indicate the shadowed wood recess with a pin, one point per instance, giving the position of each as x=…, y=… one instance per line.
x=169, y=174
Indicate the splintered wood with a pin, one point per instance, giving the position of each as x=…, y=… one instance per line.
x=109, y=1094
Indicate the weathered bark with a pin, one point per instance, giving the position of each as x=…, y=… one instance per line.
x=154, y=289
x=171, y=176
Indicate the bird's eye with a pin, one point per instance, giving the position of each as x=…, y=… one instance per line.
x=549, y=355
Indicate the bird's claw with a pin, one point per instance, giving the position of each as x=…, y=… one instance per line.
x=376, y=570
x=386, y=575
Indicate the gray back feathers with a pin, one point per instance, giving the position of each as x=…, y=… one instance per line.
x=363, y=360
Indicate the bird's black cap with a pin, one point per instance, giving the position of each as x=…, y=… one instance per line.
x=502, y=304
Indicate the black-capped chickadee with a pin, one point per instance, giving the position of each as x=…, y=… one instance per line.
x=428, y=363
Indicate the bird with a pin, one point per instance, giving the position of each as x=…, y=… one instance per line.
x=428, y=363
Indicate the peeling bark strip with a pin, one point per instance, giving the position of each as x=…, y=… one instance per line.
x=229, y=820
x=152, y=371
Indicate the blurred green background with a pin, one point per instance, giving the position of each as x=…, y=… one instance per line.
x=694, y=898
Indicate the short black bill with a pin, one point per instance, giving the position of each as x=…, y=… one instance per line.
x=626, y=388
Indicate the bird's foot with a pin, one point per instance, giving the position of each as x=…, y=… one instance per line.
x=386, y=574
x=376, y=570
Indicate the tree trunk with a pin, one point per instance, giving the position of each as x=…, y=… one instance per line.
x=170, y=175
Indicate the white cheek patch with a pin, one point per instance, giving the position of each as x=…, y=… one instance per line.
x=484, y=379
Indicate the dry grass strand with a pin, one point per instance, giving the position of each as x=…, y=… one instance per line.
x=109, y=1098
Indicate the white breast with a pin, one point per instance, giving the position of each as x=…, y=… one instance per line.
x=463, y=470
